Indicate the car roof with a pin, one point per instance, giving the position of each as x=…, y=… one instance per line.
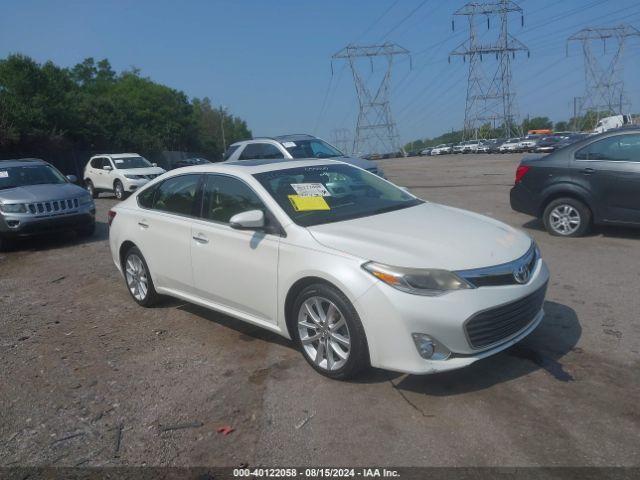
x=279, y=138
x=251, y=167
x=21, y=162
x=116, y=155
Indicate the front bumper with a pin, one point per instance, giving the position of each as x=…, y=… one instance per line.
x=23, y=225
x=390, y=317
x=131, y=185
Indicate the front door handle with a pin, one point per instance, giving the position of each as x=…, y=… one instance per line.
x=143, y=224
x=200, y=238
x=588, y=170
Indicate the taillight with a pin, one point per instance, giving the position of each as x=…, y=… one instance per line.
x=110, y=216
x=521, y=172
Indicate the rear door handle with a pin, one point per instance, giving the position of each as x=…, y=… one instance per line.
x=200, y=238
x=588, y=170
x=143, y=224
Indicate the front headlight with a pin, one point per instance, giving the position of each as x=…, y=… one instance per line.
x=86, y=200
x=13, y=208
x=418, y=281
x=134, y=177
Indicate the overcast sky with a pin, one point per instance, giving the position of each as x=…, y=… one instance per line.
x=269, y=61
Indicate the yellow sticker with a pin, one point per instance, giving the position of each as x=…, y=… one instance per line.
x=305, y=204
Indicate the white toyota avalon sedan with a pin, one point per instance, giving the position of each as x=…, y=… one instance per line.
x=355, y=270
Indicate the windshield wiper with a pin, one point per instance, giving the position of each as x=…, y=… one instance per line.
x=8, y=186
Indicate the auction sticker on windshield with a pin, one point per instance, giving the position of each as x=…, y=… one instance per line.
x=4, y=174
x=288, y=144
x=308, y=204
x=310, y=190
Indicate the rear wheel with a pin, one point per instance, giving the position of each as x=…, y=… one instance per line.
x=567, y=217
x=138, y=278
x=118, y=190
x=329, y=333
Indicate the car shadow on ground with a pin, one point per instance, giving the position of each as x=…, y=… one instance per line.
x=50, y=241
x=544, y=348
x=557, y=334
x=611, y=231
x=248, y=332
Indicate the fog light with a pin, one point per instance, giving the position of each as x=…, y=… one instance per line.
x=429, y=348
x=13, y=223
x=424, y=344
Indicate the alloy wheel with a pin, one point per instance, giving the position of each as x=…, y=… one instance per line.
x=137, y=278
x=565, y=219
x=324, y=333
x=119, y=191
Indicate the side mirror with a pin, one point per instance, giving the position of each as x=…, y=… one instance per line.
x=249, y=220
x=108, y=168
x=72, y=178
x=154, y=164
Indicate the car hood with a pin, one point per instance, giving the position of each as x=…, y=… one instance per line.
x=358, y=162
x=426, y=236
x=141, y=171
x=41, y=193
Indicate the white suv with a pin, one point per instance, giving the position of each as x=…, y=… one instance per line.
x=119, y=173
x=293, y=147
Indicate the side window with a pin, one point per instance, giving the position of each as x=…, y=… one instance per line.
x=97, y=163
x=260, y=151
x=177, y=195
x=230, y=151
x=226, y=196
x=618, y=148
x=145, y=198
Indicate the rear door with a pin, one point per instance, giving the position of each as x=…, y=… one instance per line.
x=97, y=172
x=164, y=236
x=234, y=268
x=611, y=168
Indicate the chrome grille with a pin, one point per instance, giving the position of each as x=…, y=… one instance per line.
x=501, y=274
x=500, y=323
x=53, y=206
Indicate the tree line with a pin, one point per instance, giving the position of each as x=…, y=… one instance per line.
x=90, y=107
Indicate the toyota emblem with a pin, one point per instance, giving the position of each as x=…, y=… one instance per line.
x=522, y=274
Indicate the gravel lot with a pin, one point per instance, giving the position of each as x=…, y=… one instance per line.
x=90, y=378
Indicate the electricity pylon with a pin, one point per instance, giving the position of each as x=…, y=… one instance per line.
x=376, y=130
x=489, y=101
x=341, y=139
x=604, y=85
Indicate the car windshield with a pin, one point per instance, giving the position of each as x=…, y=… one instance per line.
x=124, y=163
x=332, y=193
x=313, y=148
x=22, y=176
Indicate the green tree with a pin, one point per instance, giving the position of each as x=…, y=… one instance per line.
x=536, y=123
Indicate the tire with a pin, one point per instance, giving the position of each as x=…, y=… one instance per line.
x=118, y=190
x=91, y=189
x=87, y=231
x=567, y=217
x=135, y=269
x=343, y=323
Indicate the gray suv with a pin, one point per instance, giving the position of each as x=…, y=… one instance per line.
x=36, y=198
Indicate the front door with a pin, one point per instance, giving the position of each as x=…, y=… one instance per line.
x=235, y=268
x=611, y=166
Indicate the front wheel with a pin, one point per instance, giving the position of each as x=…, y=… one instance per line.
x=118, y=190
x=329, y=333
x=91, y=189
x=138, y=278
x=567, y=217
